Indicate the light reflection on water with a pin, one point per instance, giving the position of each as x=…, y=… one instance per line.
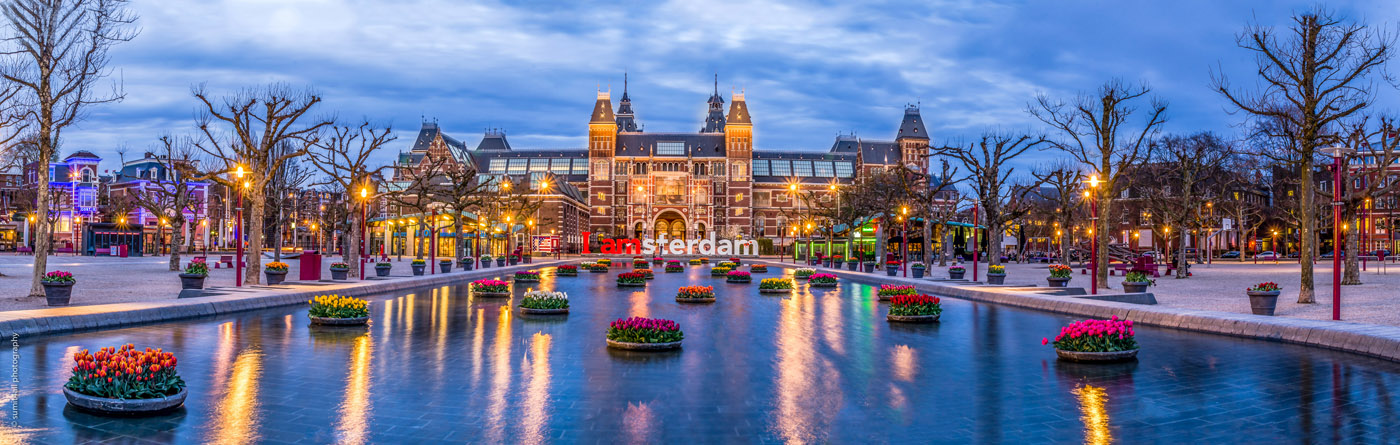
x=819, y=365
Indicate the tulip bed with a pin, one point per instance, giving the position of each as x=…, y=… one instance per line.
x=645, y=273
x=631, y=279
x=335, y=266
x=738, y=276
x=1096, y=336
x=890, y=290
x=1060, y=271
x=775, y=284
x=719, y=271
x=644, y=330
x=598, y=267
x=729, y=264
x=567, y=270
x=674, y=267
x=490, y=286
x=758, y=268
x=539, y=299
x=915, y=305
x=527, y=275
x=695, y=262
x=695, y=292
x=822, y=279
x=337, y=306
x=125, y=373
x=803, y=273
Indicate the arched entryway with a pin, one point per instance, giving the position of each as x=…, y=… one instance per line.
x=671, y=224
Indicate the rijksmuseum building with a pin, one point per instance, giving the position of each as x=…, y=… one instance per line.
x=630, y=183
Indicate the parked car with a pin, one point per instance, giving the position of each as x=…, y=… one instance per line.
x=1231, y=254
x=1378, y=253
x=1325, y=255
x=1269, y=255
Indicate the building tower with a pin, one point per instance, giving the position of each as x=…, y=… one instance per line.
x=738, y=151
x=714, y=123
x=912, y=140
x=626, y=121
x=602, y=143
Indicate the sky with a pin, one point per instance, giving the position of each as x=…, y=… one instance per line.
x=810, y=70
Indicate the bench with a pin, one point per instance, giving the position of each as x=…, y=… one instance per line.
x=227, y=261
x=25, y=250
x=102, y=251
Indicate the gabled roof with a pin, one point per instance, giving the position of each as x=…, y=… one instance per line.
x=913, y=125
x=602, y=110
x=738, y=111
x=83, y=154
x=493, y=140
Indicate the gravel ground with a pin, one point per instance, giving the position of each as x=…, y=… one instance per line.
x=104, y=280
x=1221, y=287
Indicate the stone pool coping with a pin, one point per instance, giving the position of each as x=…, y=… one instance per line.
x=1373, y=340
x=234, y=299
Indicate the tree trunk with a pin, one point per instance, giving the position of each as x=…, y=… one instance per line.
x=254, y=229
x=42, y=233
x=1064, y=242
x=352, y=246
x=1305, y=258
x=879, y=242
x=1101, y=234
x=993, y=231
x=1181, y=261
x=1351, y=271
x=177, y=237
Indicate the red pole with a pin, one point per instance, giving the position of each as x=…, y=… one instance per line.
x=238, y=239
x=364, y=219
x=1094, y=254
x=432, y=243
x=904, y=248
x=1336, y=237
x=975, y=245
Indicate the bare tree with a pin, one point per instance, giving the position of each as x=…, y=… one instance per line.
x=463, y=190
x=1066, y=183
x=255, y=122
x=419, y=193
x=281, y=190
x=1185, y=174
x=1313, y=76
x=343, y=155
x=56, y=55
x=169, y=197
x=989, y=171
x=1371, y=180
x=1096, y=132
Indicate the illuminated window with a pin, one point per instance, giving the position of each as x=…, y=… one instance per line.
x=844, y=170
x=600, y=170
x=559, y=166
x=580, y=166
x=498, y=166
x=802, y=168
x=539, y=165
x=780, y=168
x=824, y=169
x=516, y=167
x=760, y=168
x=670, y=148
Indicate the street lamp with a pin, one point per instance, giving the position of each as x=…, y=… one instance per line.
x=1337, y=152
x=1094, y=240
x=364, y=219
x=238, y=231
x=904, y=239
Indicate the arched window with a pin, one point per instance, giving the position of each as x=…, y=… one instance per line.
x=87, y=175
x=738, y=171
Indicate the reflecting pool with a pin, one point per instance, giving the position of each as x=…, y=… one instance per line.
x=820, y=365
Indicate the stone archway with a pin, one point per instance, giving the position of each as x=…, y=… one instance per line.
x=671, y=224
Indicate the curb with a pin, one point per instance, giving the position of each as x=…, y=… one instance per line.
x=1372, y=340
x=102, y=316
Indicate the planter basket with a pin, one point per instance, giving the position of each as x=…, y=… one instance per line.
x=1113, y=356
x=1263, y=303
x=192, y=281
x=124, y=407
x=643, y=346
x=912, y=318
x=533, y=311
x=918, y=272
x=996, y=278
x=774, y=291
x=1136, y=287
x=956, y=275
x=382, y=271
x=823, y=284
x=275, y=277
x=641, y=284
x=331, y=321
x=419, y=268
x=339, y=274
x=58, y=294
x=491, y=294
x=1058, y=282
x=695, y=300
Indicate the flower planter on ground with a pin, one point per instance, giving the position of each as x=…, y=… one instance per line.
x=1136, y=281
x=150, y=384
x=956, y=272
x=336, y=310
x=485, y=261
x=891, y=268
x=419, y=266
x=631, y=279
x=852, y=265
x=514, y=260
x=996, y=274
x=528, y=259
x=338, y=274
x=1096, y=341
x=914, y=309
x=383, y=269
x=1263, y=298
x=445, y=266
x=466, y=263
x=696, y=294
x=544, y=303
x=501, y=262
x=490, y=288
x=194, y=275
x=1058, y=281
x=644, y=334
x=869, y=266
x=1059, y=275
x=917, y=269
x=276, y=272
x=822, y=280
x=889, y=291
x=775, y=286
x=58, y=287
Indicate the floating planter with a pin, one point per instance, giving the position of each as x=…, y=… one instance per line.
x=490, y=288
x=275, y=271
x=527, y=276
x=631, y=279
x=605, y=262
x=775, y=286
x=888, y=291
x=1263, y=298
x=657, y=261
x=730, y=264
x=382, y=269
x=644, y=334
x=640, y=263
x=758, y=268
x=645, y=272
x=338, y=310
x=598, y=268
x=719, y=271
x=694, y=261
x=418, y=266
x=1059, y=275
x=822, y=280
x=803, y=273
x=339, y=271
x=58, y=287
x=567, y=270
x=914, y=309
x=194, y=274
x=539, y=302
x=704, y=261
x=696, y=294
x=996, y=274
x=674, y=267
x=1096, y=341
x=736, y=261
x=125, y=382
x=738, y=276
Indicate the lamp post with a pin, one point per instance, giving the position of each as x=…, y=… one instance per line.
x=364, y=220
x=1337, y=152
x=238, y=232
x=904, y=240
x=1093, y=238
x=976, y=246
x=77, y=222
x=1276, y=249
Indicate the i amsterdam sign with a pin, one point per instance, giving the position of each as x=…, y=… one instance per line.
x=664, y=246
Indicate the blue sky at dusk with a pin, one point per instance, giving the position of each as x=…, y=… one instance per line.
x=810, y=69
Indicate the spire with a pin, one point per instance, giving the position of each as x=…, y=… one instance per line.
x=714, y=122
x=626, y=120
x=913, y=125
x=738, y=110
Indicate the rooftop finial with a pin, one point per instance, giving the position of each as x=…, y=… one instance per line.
x=716, y=84
x=624, y=82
